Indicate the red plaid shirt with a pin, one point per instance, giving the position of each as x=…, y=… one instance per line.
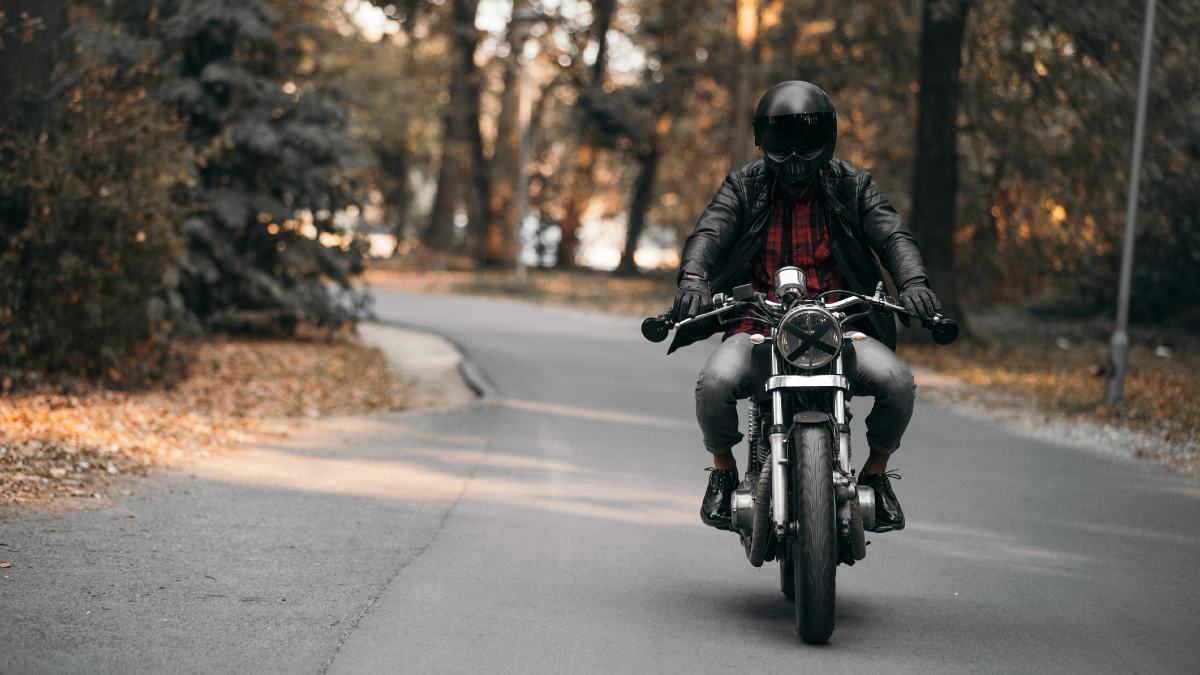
x=802, y=221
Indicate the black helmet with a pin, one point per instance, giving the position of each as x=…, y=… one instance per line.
x=796, y=127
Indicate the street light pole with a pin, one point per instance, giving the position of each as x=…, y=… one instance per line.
x=1118, y=362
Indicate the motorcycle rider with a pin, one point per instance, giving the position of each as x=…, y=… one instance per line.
x=800, y=206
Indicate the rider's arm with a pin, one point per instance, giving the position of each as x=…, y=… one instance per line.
x=887, y=234
x=715, y=232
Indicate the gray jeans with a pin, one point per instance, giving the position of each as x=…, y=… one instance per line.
x=873, y=369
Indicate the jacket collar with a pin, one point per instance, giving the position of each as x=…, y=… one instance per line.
x=830, y=177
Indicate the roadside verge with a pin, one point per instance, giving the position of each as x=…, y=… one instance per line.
x=58, y=448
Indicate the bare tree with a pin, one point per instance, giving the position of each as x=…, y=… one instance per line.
x=462, y=176
x=578, y=188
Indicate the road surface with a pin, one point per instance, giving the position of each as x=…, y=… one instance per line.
x=553, y=527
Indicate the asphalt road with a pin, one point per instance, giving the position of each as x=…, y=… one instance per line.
x=553, y=528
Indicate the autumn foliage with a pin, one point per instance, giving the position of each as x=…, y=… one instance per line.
x=248, y=140
x=89, y=239
x=78, y=443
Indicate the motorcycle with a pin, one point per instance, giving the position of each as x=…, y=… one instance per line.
x=798, y=502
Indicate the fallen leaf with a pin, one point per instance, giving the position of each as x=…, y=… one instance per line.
x=54, y=444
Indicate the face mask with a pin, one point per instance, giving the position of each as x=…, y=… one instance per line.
x=793, y=166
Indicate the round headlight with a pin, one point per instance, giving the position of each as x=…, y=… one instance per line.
x=809, y=337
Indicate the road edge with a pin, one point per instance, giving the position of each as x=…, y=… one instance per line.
x=471, y=374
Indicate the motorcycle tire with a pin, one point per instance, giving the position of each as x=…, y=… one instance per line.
x=761, y=535
x=813, y=544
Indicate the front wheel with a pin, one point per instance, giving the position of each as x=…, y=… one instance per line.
x=813, y=545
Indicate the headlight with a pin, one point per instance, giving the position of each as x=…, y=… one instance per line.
x=809, y=337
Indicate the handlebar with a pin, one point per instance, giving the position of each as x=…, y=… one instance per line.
x=657, y=328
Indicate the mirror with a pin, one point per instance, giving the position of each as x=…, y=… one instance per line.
x=945, y=331
x=655, y=329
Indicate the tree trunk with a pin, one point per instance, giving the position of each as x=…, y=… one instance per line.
x=603, y=11
x=394, y=164
x=935, y=166
x=478, y=189
x=460, y=182
x=578, y=190
x=499, y=242
x=643, y=187
x=643, y=192
x=742, y=111
x=439, y=234
x=395, y=161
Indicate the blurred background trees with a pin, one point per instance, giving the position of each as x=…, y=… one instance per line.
x=190, y=165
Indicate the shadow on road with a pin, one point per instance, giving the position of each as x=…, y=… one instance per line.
x=374, y=459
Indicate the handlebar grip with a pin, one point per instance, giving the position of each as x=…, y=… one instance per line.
x=944, y=331
x=657, y=328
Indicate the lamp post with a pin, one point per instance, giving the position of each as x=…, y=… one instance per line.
x=522, y=23
x=1118, y=363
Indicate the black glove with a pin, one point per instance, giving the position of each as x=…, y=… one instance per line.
x=920, y=301
x=694, y=297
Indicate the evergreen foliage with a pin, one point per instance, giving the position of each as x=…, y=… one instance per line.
x=171, y=177
x=274, y=166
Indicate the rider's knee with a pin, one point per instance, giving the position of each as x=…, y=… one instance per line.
x=718, y=381
x=900, y=384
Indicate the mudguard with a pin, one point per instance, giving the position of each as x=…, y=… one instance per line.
x=808, y=417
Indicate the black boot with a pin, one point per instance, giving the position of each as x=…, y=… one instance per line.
x=888, y=514
x=714, y=510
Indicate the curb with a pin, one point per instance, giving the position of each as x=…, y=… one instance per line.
x=473, y=376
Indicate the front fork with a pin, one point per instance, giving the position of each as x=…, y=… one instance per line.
x=778, y=438
x=843, y=476
x=843, y=485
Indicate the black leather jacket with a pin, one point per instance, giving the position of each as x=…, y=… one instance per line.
x=865, y=225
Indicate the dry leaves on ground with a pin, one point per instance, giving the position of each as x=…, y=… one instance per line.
x=57, y=444
x=642, y=295
x=1160, y=393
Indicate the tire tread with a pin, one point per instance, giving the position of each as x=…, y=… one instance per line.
x=816, y=559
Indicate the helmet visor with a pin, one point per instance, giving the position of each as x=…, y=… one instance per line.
x=803, y=132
